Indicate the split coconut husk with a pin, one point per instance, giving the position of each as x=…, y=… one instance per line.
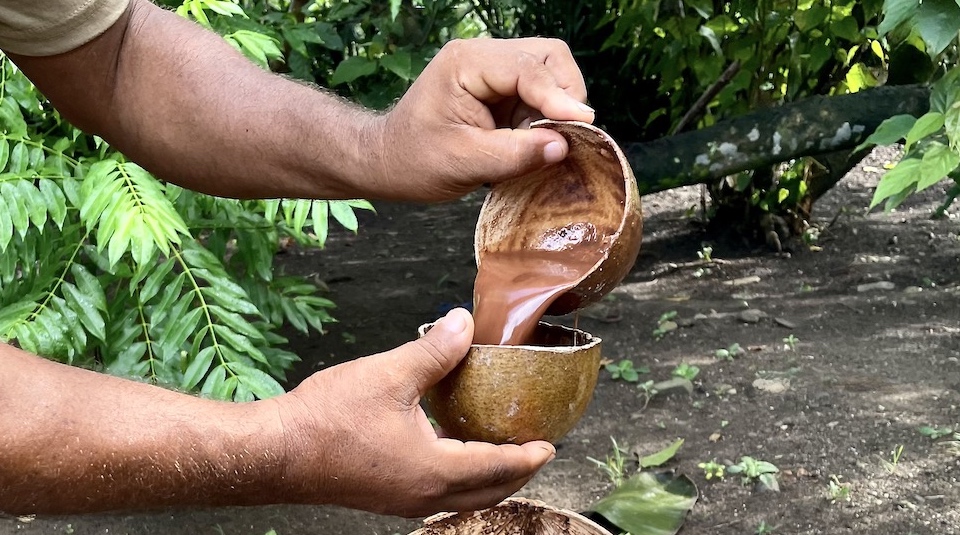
x=515, y=394
x=513, y=516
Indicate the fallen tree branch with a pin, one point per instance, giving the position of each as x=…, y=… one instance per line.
x=814, y=126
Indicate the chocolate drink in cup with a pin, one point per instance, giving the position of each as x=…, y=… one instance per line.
x=514, y=289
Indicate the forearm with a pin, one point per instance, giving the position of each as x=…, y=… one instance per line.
x=73, y=440
x=182, y=102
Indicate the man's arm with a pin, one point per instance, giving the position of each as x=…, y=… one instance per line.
x=354, y=435
x=183, y=103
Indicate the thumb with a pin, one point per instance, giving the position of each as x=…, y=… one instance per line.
x=506, y=153
x=422, y=363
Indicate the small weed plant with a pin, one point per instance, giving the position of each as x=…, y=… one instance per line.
x=895, y=455
x=763, y=528
x=712, y=470
x=935, y=433
x=614, y=466
x=686, y=371
x=790, y=342
x=625, y=371
x=753, y=470
x=729, y=353
x=838, y=491
x=665, y=324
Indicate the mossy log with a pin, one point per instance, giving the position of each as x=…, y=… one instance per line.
x=810, y=127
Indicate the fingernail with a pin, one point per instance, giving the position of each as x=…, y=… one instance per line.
x=453, y=322
x=553, y=152
x=584, y=108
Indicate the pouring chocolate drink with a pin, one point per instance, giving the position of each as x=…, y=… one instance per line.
x=549, y=243
x=555, y=241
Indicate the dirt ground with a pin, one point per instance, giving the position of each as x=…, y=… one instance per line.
x=868, y=367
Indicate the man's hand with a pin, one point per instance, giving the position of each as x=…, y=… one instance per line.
x=180, y=101
x=356, y=435
x=463, y=122
x=352, y=435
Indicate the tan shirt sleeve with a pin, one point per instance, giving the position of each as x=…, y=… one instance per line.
x=48, y=27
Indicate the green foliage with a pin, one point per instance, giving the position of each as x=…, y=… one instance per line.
x=625, y=371
x=711, y=470
x=106, y=267
x=931, y=147
x=729, y=353
x=686, y=371
x=751, y=470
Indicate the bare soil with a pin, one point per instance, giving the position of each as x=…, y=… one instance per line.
x=868, y=366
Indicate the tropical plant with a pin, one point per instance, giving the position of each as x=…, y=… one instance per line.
x=104, y=266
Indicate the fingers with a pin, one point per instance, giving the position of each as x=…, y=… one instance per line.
x=481, y=465
x=542, y=72
x=508, y=153
x=481, y=475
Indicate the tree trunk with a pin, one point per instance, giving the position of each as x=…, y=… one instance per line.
x=813, y=126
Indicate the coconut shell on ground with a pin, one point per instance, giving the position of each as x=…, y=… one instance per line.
x=513, y=516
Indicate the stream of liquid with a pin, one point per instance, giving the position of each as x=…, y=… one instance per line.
x=514, y=288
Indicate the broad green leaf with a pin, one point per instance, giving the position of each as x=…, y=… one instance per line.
x=226, y=8
x=198, y=368
x=399, y=63
x=951, y=124
x=938, y=161
x=155, y=280
x=394, y=9
x=927, y=124
x=236, y=322
x=85, y=307
x=89, y=285
x=214, y=380
x=320, y=217
x=662, y=456
x=16, y=206
x=937, y=22
x=6, y=223
x=179, y=329
x=34, y=202
x=238, y=342
x=896, y=12
x=232, y=302
x=55, y=200
x=352, y=68
x=343, y=213
x=4, y=153
x=890, y=131
x=896, y=180
x=846, y=28
x=944, y=92
x=328, y=34
x=262, y=385
x=226, y=389
x=859, y=77
x=649, y=504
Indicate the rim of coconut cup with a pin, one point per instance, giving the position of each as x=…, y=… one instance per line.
x=629, y=187
x=430, y=523
x=591, y=339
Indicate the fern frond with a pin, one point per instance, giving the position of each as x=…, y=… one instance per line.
x=129, y=211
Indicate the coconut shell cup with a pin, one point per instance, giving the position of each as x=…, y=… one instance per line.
x=515, y=394
x=593, y=186
x=512, y=516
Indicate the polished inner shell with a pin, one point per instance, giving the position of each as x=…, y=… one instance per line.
x=587, y=202
x=515, y=394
